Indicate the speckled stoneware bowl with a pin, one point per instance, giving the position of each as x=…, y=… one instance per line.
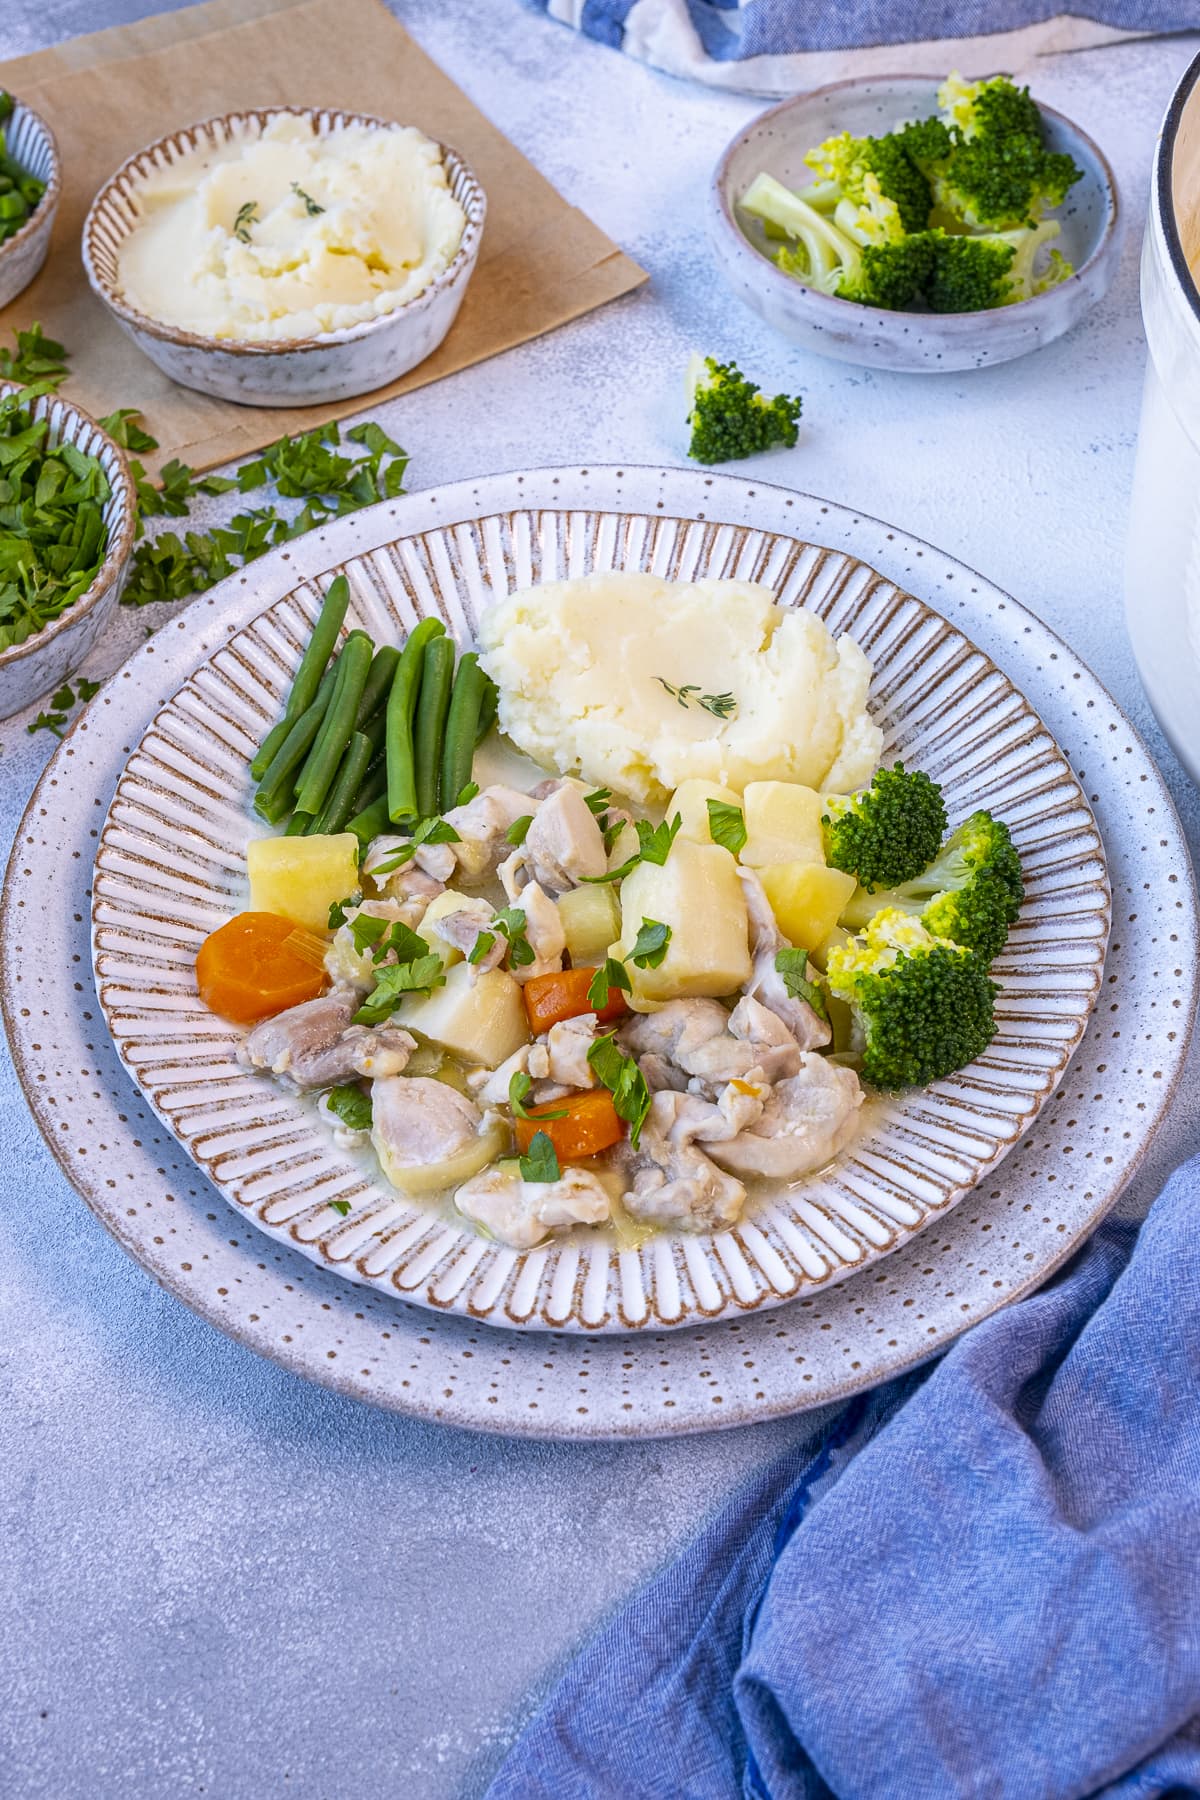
x=170, y=868
x=909, y=342
x=334, y=365
x=32, y=144
x=371, y=1343
x=32, y=669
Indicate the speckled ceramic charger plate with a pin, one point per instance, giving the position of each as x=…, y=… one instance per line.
x=1011, y=1231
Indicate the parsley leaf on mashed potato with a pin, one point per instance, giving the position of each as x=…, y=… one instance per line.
x=585, y=670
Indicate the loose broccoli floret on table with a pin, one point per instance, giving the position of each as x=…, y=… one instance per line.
x=921, y=1006
x=730, y=417
x=970, y=893
x=889, y=831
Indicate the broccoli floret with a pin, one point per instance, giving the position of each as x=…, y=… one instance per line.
x=926, y=142
x=970, y=893
x=968, y=274
x=995, y=108
x=729, y=416
x=889, y=831
x=824, y=256
x=997, y=184
x=922, y=1007
x=844, y=165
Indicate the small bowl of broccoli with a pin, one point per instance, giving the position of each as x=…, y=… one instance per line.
x=910, y=225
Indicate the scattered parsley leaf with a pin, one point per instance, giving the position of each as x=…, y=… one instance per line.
x=395, y=980
x=339, y=909
x=366, y=931
x=310, y=205
x=792, y=965
x=402, y=942
x=611, y=974
x=624, y=1080
x=121, y=427
x=654, y=846
x=651, y=945
x=540, y=1162
x=87, y=689
x=598, y=801
x=352, y=1107
x=467, y=794
x=36, y=358
x=340, y=1206
x=511, y=921
x=481, y=946
x=518, y=831
x=727, y=826
x=428, y=831
x=52, y=721
x=519, y=1090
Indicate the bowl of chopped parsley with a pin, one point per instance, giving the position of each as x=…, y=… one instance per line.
x=907, y=224
x=68, y=511
x=29, y=190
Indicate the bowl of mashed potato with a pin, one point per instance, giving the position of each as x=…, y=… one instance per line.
x=287, y=256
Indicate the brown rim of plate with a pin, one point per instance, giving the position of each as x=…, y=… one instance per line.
x=955, y=322
x=53, y=193
x=120, y=543
x=175, y=144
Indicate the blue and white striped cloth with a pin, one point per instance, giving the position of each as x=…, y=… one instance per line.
x=777, y=46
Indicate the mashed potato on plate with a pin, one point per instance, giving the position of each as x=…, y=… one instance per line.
x=640, y=683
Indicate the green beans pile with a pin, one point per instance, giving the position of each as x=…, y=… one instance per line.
x=372, y=740
x=20, y=192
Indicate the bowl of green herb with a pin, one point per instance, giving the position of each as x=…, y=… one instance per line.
x=29, y=190
x=68, y=512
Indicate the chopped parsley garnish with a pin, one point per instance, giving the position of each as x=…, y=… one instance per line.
x=727, y=825
x=310, y=205
x=792, y=965
x=62, y=702
x=519, y=1090
x=624, y=1080
x=511, y=921
x=598, y=801
x=654, y=846
x=351, y=1106
x=366, y=931
x=339, y=909
x=340, y=1206
x=721, y=706
x=611, y=974
x=651, y=944
x=467, y=794
x=121, y=426
x=540, y=1162
x=36, y=358
x=429, y=831
x=518, y=831
x=395, y=980
x=481, y=946
x=247, y=215
x=400, y=939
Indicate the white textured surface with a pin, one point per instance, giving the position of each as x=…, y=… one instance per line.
x=156, y=1640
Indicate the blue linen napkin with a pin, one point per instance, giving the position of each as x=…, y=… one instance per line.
x=981, y=1582
x=775, y=46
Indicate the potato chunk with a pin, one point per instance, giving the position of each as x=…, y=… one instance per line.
x=591, y=920
x=690, y=800
x=783, y=824
x=697, y=893
x=482, y=1019
x=806, y=899
x=301, y=877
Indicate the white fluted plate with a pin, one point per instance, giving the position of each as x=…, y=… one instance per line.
x=290, y=1301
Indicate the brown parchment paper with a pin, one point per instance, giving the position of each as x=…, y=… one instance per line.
x=541, y=263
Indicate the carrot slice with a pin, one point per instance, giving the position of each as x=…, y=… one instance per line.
x=587, y=1124
x=564, y=995
x=258, y=964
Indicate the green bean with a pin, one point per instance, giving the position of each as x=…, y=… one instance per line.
x=317, y=776
x=374, y=786
x=298, y=825
x=308, y=676
x=340, y=803
x=487, y=710
x=379, y=684
x=401, y=708
x=274, y=796
x=429, y=727
x=462, y=721
x=372, y=822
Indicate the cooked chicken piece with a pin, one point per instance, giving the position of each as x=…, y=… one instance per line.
x=412, y=887
x=523, y=1213
x=347, y=966
x=462, y=928
x=489, y=1087
x=568, y=1044
x=673, y=1181
x=481, y=826
x=564, y=845
x=806, y=1120
x=315, y=1045
x=710, y=1046
x=438, y=861
x=766, y=983
x=543, y=931
x=428, y=1135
